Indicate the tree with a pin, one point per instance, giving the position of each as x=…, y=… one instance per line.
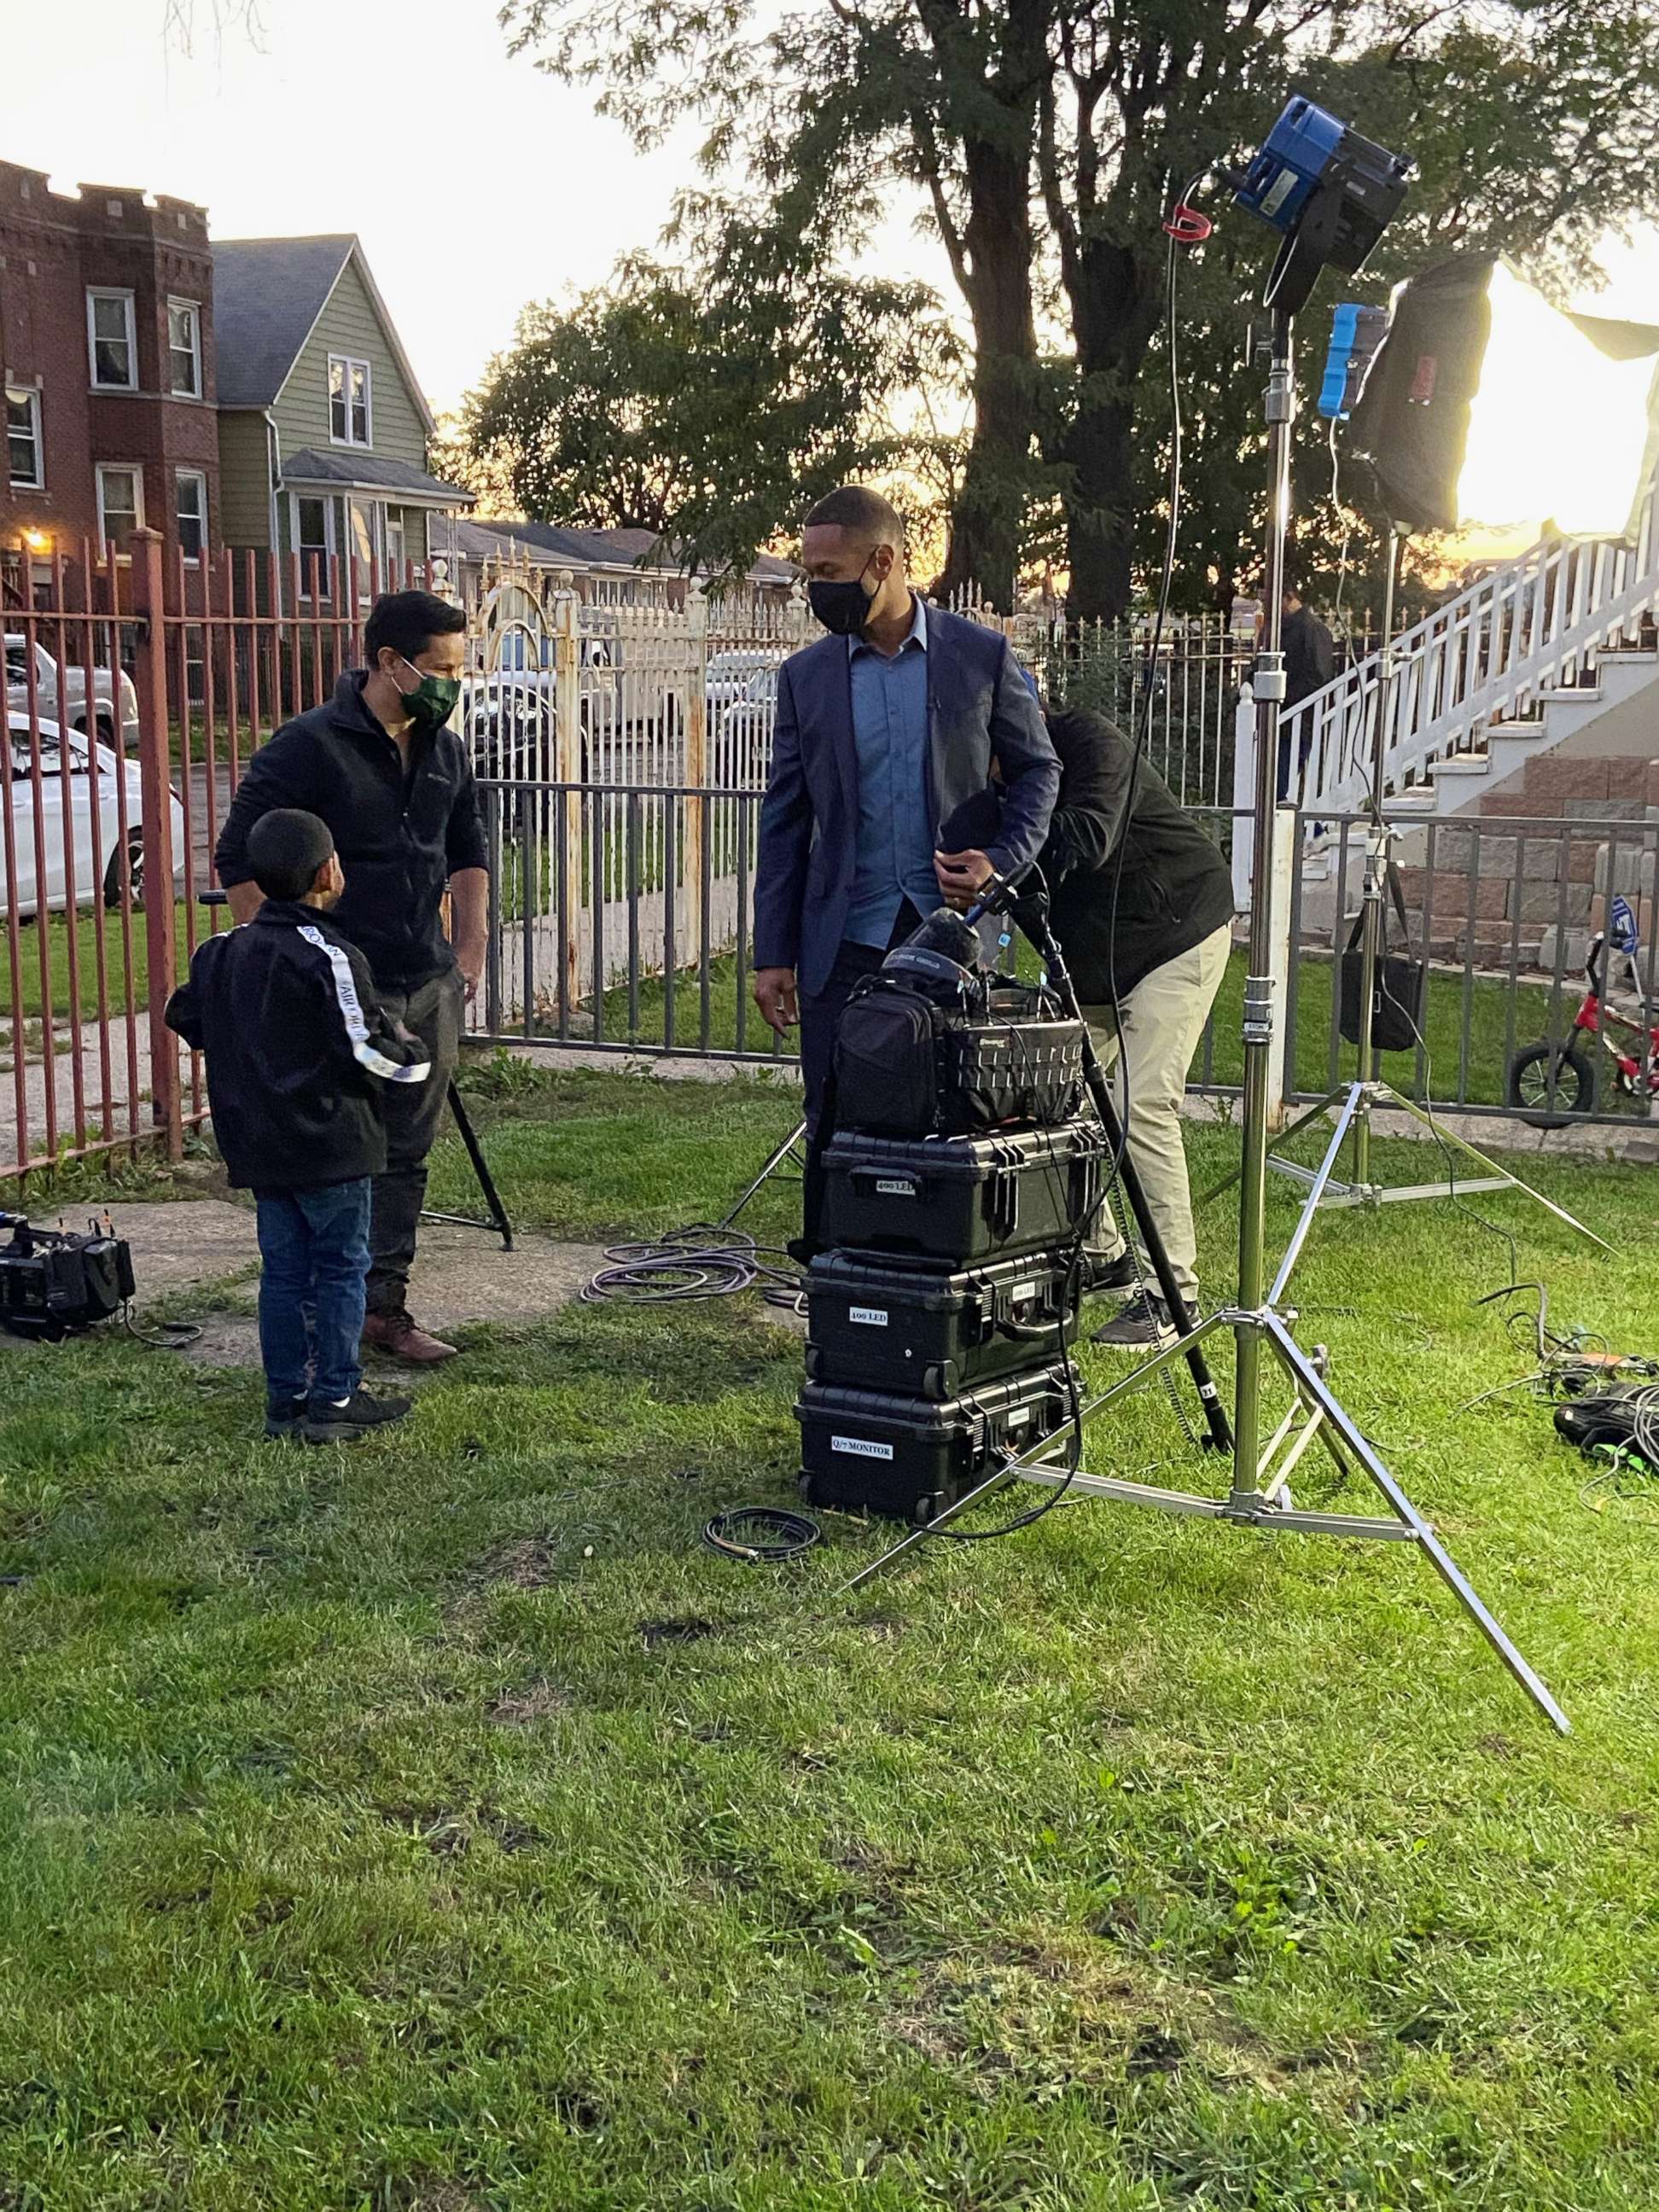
x=706, y=406
x=1532, y=121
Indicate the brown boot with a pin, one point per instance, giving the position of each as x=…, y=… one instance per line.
x=396, y=1335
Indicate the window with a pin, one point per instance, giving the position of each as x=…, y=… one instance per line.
x=25, y=459
x=348, y=401
x=185, y=347
x=192, y=514
x=113, y=341
x=312, y=536
x=120, y=502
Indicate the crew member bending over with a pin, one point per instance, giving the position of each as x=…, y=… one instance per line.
x=1163, y=950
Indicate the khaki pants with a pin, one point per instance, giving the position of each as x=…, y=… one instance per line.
x=1164, y=1019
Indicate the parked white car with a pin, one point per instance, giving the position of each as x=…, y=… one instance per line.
x=743, y=745
x=730, y=674
x=110, y=693
x=100, y=866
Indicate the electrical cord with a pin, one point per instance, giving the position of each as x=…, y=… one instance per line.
x=166, y=1336
x=760, y=1535
x=700, y=1261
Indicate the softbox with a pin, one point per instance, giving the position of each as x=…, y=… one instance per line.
x=1486, y=403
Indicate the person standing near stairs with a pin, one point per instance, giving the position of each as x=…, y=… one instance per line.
x=1309, y=665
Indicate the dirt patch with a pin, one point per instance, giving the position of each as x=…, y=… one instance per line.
x=527, y=1563
x=536, y=1701
x=676, y=1631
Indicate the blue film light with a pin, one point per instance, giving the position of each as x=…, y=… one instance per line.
x=1299, y=148
x=1329, y=192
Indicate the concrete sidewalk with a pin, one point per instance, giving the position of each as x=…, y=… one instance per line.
x=462, y=1275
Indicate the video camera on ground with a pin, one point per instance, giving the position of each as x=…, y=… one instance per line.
x=55, y=1281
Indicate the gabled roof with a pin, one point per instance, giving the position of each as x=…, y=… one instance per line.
x=356, y=471
x=548, y=545
x=267, y=295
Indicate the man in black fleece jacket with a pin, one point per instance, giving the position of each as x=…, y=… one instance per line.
x=1160, y=950
x=299, y=1054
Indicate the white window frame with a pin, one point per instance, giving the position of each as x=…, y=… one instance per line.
x=330, y=505
x=31, y=394
x=136, y=471
x=194, y=309
x=180, y=478
x=347, y=363
x=94, y=293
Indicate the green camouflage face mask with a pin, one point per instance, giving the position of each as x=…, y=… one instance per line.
x=432, y=702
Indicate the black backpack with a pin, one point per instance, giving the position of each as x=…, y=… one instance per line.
x=907, y=1066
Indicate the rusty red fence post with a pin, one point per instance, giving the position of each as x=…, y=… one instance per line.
x=154, y=763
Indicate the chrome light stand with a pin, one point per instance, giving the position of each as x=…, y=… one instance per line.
x=1359, y=1100
x=1262, y=1463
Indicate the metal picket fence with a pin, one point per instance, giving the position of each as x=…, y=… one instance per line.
x=621, y=751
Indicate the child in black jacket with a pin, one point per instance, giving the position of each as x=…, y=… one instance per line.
x=297, y=1048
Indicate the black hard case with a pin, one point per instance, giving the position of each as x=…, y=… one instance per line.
x=907, y=1459
x=932, y=1332
x=961, y=1199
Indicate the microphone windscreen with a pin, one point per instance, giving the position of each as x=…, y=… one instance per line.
x=946, y=931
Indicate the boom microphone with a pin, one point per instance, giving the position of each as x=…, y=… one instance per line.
x=941, y=959
x=947, y=931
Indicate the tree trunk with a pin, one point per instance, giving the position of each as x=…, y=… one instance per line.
x=1114, y=309
x=986, y=525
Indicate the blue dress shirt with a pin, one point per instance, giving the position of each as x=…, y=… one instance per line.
x=890, y=731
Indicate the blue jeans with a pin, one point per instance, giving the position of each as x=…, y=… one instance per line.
x=314, y=1244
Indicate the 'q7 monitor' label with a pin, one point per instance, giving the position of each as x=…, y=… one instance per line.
x=860, y=1447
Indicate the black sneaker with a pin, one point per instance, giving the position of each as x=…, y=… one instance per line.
x=1142, y=1324
x=284, y=1417
x=345, y=1425
x=1120, y=1274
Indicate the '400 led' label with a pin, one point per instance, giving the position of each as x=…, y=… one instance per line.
x=895, y=1186
x=868, y=1316
x=860, y=1447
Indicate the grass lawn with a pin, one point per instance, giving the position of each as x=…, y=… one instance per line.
x=1495, y=1032
x=89, y=922
x=442, y=1829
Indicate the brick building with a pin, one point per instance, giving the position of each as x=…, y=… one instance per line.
x=106, y=350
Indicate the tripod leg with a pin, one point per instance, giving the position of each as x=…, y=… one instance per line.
x=1295, y=1129
x=1317, y=1392
x=1450, y=1137
x=994, y=1481
x=498, y=1220
x=774, y=1162
x=1311, y=1205
x=1221, y=1436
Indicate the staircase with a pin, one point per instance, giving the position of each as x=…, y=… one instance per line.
x=1521, y=663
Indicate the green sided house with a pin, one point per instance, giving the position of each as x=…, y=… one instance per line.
x=323, y=428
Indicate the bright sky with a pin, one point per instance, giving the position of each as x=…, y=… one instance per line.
x=474, y=183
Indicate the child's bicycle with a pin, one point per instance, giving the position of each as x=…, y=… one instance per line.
x=1548, y=1083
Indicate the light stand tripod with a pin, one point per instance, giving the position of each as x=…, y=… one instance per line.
x=1359, y=1100
x=775, y=1159
x=1262, y=1465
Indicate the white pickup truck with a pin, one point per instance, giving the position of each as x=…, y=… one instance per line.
x=112, y=696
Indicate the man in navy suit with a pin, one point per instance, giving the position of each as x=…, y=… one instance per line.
x=883, y=728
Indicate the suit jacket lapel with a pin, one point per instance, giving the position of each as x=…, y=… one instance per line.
x=840, y=698
x=942, y=716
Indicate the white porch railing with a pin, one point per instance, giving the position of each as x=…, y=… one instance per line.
x=1532, y=623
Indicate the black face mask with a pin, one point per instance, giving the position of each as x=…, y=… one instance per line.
x=843, y=609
